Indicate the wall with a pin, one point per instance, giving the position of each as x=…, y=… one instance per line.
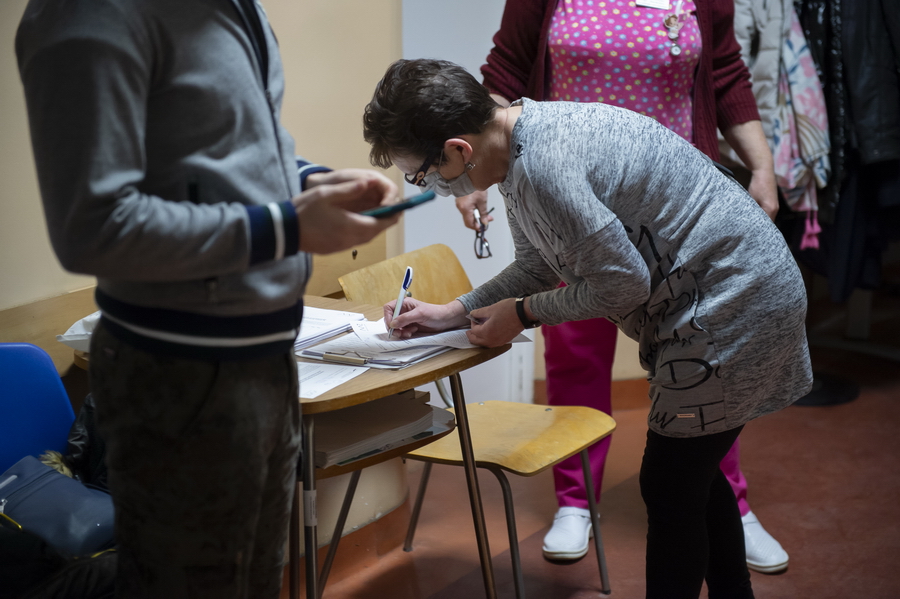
x=464, y=37
x=334, y=52
x=28, y=268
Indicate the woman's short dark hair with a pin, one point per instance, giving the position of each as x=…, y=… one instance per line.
x=420, y=104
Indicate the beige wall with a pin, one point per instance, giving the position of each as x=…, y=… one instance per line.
x=28, y=268
x=334, y=51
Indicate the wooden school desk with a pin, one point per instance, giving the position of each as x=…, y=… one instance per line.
x=374, y=384
x=369, y=386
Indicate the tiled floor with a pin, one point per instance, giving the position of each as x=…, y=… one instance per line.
x=824, y=480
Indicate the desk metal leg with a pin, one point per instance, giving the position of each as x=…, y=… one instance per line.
x=468, y=457
x=511, y=531
x=294, y=544
x=595, y=521
x=338, y=530
x=310, y=515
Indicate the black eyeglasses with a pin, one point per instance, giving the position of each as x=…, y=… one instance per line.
x=482, y=247
x=418, y=178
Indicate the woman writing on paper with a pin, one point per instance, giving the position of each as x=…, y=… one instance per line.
x=645, y=231
x=679, y=63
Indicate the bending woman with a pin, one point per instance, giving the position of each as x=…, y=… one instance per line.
x=645, y=231
x=581, y=51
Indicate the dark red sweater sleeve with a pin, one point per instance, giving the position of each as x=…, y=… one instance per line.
x=515, y=67
x=723, y=96
x=735, y=102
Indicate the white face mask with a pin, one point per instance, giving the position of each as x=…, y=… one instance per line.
x=457, y=187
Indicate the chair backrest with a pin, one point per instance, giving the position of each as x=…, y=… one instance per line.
x=35, y=411
x=438, y=278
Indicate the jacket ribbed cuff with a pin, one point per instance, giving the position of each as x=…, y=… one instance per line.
x=274, y=232
x=305, y=169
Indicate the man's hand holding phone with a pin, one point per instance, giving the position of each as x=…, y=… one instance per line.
x=328, y=213
x=392, y=209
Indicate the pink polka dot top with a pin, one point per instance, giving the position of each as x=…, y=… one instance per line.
x=636, y=57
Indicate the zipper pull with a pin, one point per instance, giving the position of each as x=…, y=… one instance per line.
x=6, y=482
x=2, y=505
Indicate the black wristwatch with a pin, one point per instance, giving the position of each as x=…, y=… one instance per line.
x=520, y=311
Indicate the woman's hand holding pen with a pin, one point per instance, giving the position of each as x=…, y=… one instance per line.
x=495, y=325
x=492, y=326
x=421, y=317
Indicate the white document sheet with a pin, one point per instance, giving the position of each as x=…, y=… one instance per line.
x=319, y=324
x=319, y=378
x=374, y=336
x=370, y=345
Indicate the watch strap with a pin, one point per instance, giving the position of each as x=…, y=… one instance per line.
x=520, y=312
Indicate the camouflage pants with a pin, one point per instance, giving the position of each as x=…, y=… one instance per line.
x=202, y=464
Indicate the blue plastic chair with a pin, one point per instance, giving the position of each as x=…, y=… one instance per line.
x=35, y=411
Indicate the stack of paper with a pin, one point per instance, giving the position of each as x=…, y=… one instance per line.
x=353, y=433
x=369, y=345
x=350, y=351
x=319, y=324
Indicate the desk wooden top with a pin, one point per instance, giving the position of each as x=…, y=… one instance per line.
x=377, y=382
x=40, y=322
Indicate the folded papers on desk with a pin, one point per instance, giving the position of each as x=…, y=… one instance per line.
x=79, y=334
x=370, y=345
x=351, y=434
x=319, y=324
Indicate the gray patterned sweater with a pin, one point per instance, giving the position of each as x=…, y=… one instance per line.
x=647, y=232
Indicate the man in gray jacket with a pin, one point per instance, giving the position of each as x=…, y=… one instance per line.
x=165, y=172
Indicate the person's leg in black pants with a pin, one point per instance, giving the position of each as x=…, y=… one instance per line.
x=695, y=529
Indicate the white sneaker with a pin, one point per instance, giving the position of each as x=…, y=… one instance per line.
x=764, y=553
x=569, y=536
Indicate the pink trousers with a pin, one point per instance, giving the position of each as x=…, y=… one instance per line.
x=579, y=357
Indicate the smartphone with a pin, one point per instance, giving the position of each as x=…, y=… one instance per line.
x=392, y=209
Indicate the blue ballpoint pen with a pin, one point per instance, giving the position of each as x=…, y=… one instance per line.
x=407, y=281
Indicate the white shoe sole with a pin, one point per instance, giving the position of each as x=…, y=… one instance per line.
x=768, y=569
x=560, y=556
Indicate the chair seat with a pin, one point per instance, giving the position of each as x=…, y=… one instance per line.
x=524, y=439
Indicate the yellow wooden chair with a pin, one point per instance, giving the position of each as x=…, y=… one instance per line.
x=524, y=439
x=438, y=278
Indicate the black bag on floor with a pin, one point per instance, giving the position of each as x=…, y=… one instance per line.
x=72, y=517
x=30, y=568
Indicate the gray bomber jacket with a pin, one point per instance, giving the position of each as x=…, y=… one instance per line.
x=164, y=169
